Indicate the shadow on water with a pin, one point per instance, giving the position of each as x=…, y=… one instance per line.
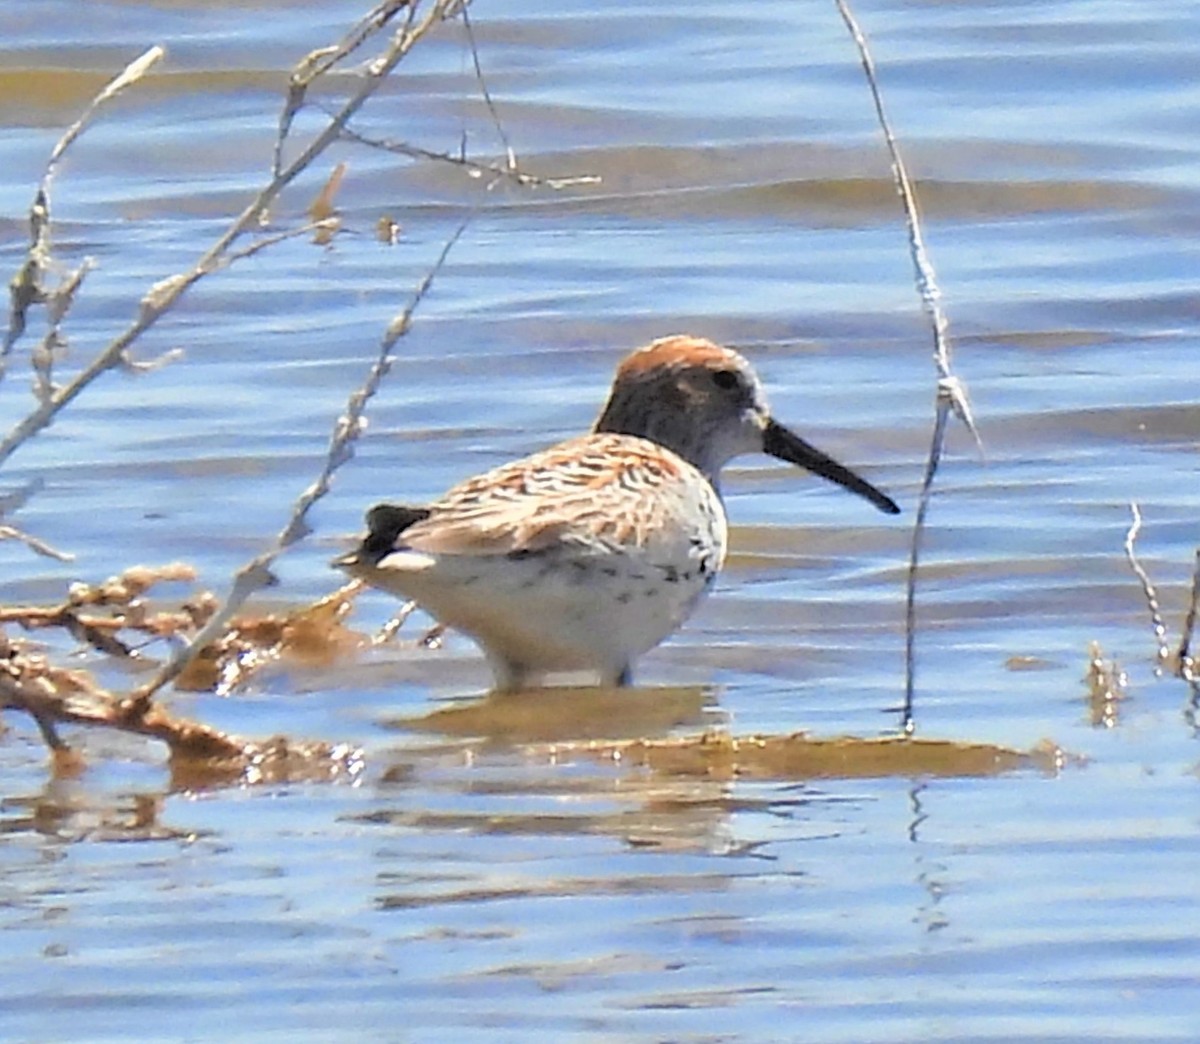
x=565, y=715
x=612, y=763
x=631, y=727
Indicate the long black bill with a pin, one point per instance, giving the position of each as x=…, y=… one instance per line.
x=787, y=445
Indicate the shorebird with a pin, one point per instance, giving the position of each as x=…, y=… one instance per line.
x=582, y=557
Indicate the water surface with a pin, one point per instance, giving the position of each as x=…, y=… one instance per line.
x=475, y=883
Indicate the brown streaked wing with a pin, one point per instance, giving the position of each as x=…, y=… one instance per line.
x=595, y=491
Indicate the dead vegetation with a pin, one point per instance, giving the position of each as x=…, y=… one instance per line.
x=212, y=643
x=1106, y=689
x=1179, y=660
x=718, y=755
x=117, y=620
x=121, y=620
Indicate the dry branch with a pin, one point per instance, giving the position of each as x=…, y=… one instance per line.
x=509, y=153
x=951, y=391
x=256, y=574
x=474, y=168
x=1180, y=663
x=1156, y=620
x=35, y=544
x=110, y=617
x=1106, y=688
x=509, y=169
x=321, y=61
x=1187, y=665
x=229, y=649
x=26, y=289
x=164, y=294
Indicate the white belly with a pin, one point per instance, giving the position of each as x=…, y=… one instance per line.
x=600, y=581
x=552, y=612
x=566, y=609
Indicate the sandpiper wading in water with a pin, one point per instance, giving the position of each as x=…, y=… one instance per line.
x=584, y=556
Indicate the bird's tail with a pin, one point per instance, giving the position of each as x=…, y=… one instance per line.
x=385, y=523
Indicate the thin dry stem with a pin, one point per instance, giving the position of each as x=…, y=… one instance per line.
x=35, y=544
x=26, y=288
x=164, y=294
x=325, y=225
x=392, y=628
x=1156, y=620
x=1106, y=688
x=432, y=639
x=474, y=168
x=509, y=169
x=950, y=388
x=321, y=61
x=509, y=153
x=951, y=391
x=907, y=722
x=54, y=343
x=1187, y=665
x=256, y=573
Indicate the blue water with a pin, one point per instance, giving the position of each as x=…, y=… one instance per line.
x=488, y=888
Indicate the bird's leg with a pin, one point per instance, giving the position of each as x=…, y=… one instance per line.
x=510, y=675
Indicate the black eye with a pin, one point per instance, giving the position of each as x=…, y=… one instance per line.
x=725, y=379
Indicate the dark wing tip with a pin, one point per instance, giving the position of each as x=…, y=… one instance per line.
x=385, y=523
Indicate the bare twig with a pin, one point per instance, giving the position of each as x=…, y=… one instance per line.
x=13, y=501
x=162, y=296
x=256, y=574
x=474, y=168
x=58, y=304
x=329, y=224
x=156, y=302
x=8, y=532
x=322, y=60
x=937, y=440
x=509, y=169
x=431, y=639
x=1181, y=663
x=26, y=289
x=1187, y=665
x=510, y=155
x=392, y=628
x=1156, y=620
x=1106, y=688
x=951, y=392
